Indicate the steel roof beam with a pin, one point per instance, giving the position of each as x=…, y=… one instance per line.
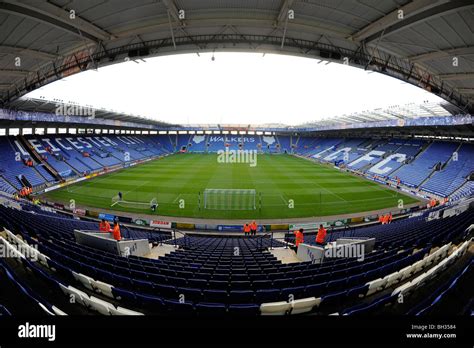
x=459, y=51
x=414, y=13
x=173, y=10
x=14, y=72
x=459, y=76
x=390, y=19
x=283, y=13
x=53, y=15
x=466, y=90
x=28, y=52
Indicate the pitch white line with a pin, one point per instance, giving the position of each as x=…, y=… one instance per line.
x=176, y=199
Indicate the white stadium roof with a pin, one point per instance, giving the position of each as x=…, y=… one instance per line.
x=393, y=112
x=428, y=43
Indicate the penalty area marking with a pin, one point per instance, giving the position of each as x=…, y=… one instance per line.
x=177, y=198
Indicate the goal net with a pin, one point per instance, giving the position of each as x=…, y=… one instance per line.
x=229, y=199
x=116, y=201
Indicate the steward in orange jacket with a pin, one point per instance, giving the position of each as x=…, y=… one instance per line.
x=116, y=232
x=299, y=237
x=104, y=226
x=321, y=236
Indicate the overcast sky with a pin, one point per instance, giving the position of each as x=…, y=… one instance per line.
x=237, y=88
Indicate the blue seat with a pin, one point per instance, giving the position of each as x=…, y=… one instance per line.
x=127, y=298
x=267, y=295
x=123, y=282
x=60, y=269
x=321, y=277
x=241, y=296
x=332, y=301
x=150, y=303
x=244, y=310
x=315, y=290
x=185, y=274
x=296, y=292
x=190, y=294
x=218, y=284
x=215, y=296
x=273, y=275
x=341, y=273
x=356, y=292
x=220, y=277
x=238, y=277
x=105, y=276
x=254, y=271
x=143, y=286
x=282, y=283
x=166, y=291
x=211, y=309
x=178, y=308
x=336, y=285
x=136, y=274
x=387, y=269
x=366, y=267
x=157, y=278
x=89, y=271
x=373, y=274
x=197, y=283
x=293, y=274
x=366, y=308
x=256, y=277
x=355, y=280
x=177, y=281
x=240, y=285
x=304, y=280
x=262, y=284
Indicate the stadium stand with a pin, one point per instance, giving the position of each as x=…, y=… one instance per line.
x=12, y=166
x=214, y=280
x=411, y=232
x=454, y=174
x=205, y=270
x=439, y=168
x=437, y=154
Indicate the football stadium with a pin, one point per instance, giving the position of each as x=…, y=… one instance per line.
x=296, y=201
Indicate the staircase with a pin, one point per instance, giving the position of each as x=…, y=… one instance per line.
x=443, y=165
x=37, y=158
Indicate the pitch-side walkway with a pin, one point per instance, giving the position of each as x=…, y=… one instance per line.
x=312, y=219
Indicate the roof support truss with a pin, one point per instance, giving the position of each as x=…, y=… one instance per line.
x=413, y=13
x=50, y=14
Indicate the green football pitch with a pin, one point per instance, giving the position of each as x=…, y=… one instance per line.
x=285, y=187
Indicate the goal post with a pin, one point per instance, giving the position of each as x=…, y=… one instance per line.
x=116, y=201
x=229, y=199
